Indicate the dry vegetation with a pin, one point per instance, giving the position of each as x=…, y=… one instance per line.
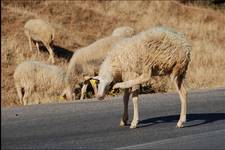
x=79, y=23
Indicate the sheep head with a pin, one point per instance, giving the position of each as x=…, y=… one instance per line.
x=103, y=86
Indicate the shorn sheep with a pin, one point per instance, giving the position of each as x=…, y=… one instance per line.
x=38, y=31
x=86, y=61
x=34, y=76
x=155, y=52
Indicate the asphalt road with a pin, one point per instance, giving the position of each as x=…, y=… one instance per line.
x=94, y=124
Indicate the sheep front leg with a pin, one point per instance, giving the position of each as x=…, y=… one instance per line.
x=50, y=52
x=95, y=90
x=139, y=80
x=38, y=50
x=29, y=39
x=83, y=91
x=94, y=86
x=124, y=118
x=135, y=92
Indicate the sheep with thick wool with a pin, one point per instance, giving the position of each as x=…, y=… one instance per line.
x=86, y=61
x=38, y=30
x=34, y=76
x=155, y=52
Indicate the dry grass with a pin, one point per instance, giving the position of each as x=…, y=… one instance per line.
x=79, y=23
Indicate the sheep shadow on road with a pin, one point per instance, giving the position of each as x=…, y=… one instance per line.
x=200, y=118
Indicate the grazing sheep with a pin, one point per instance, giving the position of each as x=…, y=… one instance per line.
x=38, y=30
x=155, y=52
x=86, y=61
x=33, y=76
x=124, y=31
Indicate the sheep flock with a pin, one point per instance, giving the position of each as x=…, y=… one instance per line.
x=123, y=60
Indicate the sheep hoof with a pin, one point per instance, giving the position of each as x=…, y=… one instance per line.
x=122, y=123
x=24, y=103
x=180, y=124
x=51, y=60
x=134, y=125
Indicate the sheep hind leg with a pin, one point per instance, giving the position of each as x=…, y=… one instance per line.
x=27, y=93
x=178, y=82
x=139, y=80
x=124, y=118
x=135, y=99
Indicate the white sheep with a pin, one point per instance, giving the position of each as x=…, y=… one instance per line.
x=155, y=52
x=86, y=61
x=34, y=76
x=37, y=31
x=124, y=31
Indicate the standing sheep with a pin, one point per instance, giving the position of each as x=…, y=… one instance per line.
x=155, y=52
x=37, y=31
x=85, y=62
x=33, y=76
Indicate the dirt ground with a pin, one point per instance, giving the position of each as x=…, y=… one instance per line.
x=79, y=23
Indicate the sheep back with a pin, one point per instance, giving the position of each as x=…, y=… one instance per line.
x=157, y=49
x=39, y=30
x=40, y=76
x=86, y=61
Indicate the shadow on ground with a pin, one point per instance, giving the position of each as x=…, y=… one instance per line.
x=59, y=51
x=62, y=52
x=201, y=118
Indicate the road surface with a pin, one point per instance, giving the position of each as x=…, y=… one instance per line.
x=93, y=124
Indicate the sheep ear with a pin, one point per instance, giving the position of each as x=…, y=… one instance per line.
x=86, y=77
x=96, y=78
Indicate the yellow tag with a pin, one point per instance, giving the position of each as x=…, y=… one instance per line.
x=93, y=82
